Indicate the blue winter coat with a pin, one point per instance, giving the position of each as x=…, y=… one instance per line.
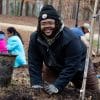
x=16, y=47
x=77, y=31
x=65, y=56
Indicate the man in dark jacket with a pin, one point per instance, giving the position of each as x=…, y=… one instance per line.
x=62, y=52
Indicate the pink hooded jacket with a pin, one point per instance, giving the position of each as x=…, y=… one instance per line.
x=3, y=46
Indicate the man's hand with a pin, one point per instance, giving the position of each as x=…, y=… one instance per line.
x=50, y=89
x=37, y=89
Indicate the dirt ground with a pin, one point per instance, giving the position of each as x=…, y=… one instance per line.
x=19, y=20
x=20, y=86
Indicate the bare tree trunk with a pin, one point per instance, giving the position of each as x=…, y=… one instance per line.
x=27, y=7
x=77, y=13
x=0, y=6
x=7, y=7
x=37, y=8
x=98, y=44
x=50, y=2
x=15, y=8
x=60, y=6
x=33, y=9
x=21, y=9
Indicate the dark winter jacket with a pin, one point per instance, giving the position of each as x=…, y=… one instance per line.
x=65, y=56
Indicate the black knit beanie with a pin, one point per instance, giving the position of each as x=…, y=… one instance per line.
x=48, y=11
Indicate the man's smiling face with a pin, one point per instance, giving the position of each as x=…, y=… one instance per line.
x=47, y=27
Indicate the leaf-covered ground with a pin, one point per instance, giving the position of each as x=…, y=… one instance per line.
x=20, y=89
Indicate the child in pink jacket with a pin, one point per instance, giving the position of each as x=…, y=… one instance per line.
x=3, y=46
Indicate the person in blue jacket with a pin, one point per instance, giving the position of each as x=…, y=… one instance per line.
x=15, y=46
x=81, y=31
x=61, y=51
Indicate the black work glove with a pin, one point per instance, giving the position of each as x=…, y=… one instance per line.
x=50, y=89
x=37, y=89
